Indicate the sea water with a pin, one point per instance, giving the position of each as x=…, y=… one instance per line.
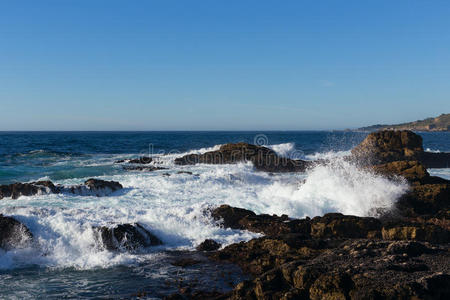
x=65, y=260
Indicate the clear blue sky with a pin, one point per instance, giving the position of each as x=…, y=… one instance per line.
x=213, y=65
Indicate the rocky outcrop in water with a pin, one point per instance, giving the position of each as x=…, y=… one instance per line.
x=91, y=187
x=128, y=237
x=141, y=160
x=264, y=159
x=13, y=234
x=389, y=145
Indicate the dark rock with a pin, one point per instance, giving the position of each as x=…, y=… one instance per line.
x=230, y=216
x=143, y=168
x=16, y=190
x=417, y=232
x=13, y=234
x=336, y=225
x=126, y=236
x=411, y=170
x=208, y=245
x=90, y=187
x=99, y=186
x=264, y=159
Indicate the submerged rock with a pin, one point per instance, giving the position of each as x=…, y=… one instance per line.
x=13, y=234
x=126, y=237
x=264, y=159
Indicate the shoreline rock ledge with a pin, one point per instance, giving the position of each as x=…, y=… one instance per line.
x=403, y=254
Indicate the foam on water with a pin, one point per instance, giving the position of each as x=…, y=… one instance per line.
x=174, y=207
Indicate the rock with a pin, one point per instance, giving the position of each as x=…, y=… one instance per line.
x=264, y=159
x=143, y=168
x=99, y=186
x=230, y=216
x=16, y=190
x=13, y=234
x=388, y=145
x=412, y=170
x=331, y=286
x=208, y=245
x=417, y=232
x=126, y=236
x=336, y=225
x=425, y=199
x=239, y=218
x=91, y=186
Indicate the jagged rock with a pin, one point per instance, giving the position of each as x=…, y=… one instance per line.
x=388, y=145
x=126, y=236
x=90, y=187
x=264, y=159
x=355, y=269
x=418, y=232
x=208, y=245
x=13, y=234
x=425, y=199
x=412, y=170
x=18, y=189
x=336, y=225
x=143, y=168
x=239, y=218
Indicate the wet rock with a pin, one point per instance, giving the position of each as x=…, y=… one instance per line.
x=143, y=168
x=126, y=237
x=435, y=160
x=91, y=186
x=16, y=190
x=412, y=170
x=13, y=234
x=264, y=159
x=208, y=245
x=239, y=218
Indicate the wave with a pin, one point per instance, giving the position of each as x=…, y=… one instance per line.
x=432, y=151
x=173, y=208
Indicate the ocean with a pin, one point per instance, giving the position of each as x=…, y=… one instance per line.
x=65, y=261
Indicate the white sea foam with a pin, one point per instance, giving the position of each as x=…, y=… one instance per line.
x=173, y=207
x=432, y=151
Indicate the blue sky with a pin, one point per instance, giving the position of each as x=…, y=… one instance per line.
x=221, y=65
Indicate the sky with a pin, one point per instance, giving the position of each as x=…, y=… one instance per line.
x=221, y=65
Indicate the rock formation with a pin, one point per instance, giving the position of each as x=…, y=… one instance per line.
x=96, y=187
x=264, y=159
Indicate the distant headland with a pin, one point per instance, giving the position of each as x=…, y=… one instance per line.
x=441, y=123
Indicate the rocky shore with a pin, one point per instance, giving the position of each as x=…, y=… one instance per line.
x=402, y=253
